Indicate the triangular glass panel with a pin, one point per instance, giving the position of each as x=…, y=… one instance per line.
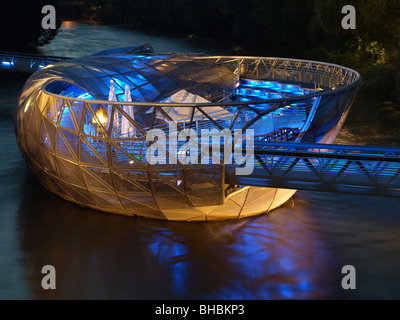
x=204, y=176
x=136, y=64
x=66, y=171
x=137, y=95
x=56, y=186
x=48, y=163
x=79, y=195
x=44, y=139
x=168, y=181
x=95, y=120
x=171, y=201
x=120, y=82
x=100, y=146
x=134, y=79
x=69, y=141
x=90, y=155
x=45, y=105
x=26, y=119
x=127, y=126
x=136, y=177
x=161, y=188
x=120, y=158
x=52, y=108
x=51, y=130
x=104, y=175
x=137, y=203
x=33, y=146
x=111, y=199
x=63, y=147
x=128, y=154
x=76, y=170
x=132, y=181
x=34, y=121
x=124, y=185
x=149, y=92
x=67, y=119
x=150, y=74
x=99, y=179
x=78, y=109
x=164, y=84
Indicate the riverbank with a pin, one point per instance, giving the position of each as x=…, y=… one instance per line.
x=291, y=29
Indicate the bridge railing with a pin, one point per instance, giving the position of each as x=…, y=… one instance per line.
x=24, y=62
x=320, y=167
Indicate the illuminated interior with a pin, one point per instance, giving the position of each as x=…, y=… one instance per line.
x=82, y=126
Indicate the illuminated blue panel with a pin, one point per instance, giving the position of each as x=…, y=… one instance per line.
x=7, y=63
x=149, y=92
x=264, y=89
x=137, y=64
x=74, y=91
x=136, y=78
x=86, y=95
x=119, y=86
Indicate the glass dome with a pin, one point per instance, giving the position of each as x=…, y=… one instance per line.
x=83, y=126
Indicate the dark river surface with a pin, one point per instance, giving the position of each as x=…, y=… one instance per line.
x=296, y=252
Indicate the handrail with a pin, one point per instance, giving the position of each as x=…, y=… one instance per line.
x=337, y=147
x=32, y=55
x=218, y=59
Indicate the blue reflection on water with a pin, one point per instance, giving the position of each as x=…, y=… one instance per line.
x=171, y=253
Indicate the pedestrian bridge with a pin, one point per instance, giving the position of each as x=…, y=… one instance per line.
x=23, y=62
x=320, y=167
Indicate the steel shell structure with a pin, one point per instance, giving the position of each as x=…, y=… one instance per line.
x=82, y=126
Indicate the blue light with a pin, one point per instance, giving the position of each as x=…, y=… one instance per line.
x=264, y=89
x=85, y=95
x=136, y=78
x=7, y=63
x=305, y=285
x=41, y=66
x=286, y=290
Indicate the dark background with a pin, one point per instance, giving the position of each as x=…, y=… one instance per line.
x=309, y=29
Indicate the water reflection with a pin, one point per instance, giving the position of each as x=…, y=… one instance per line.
x=296, y=252
x=102, y=256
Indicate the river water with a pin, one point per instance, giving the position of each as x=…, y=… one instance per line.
x=296, y=252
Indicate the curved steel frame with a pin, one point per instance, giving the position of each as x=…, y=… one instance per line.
x=105, y=171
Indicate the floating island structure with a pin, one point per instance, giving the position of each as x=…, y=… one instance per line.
x=83, y=127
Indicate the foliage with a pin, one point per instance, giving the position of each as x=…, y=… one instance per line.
x=309, y=29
